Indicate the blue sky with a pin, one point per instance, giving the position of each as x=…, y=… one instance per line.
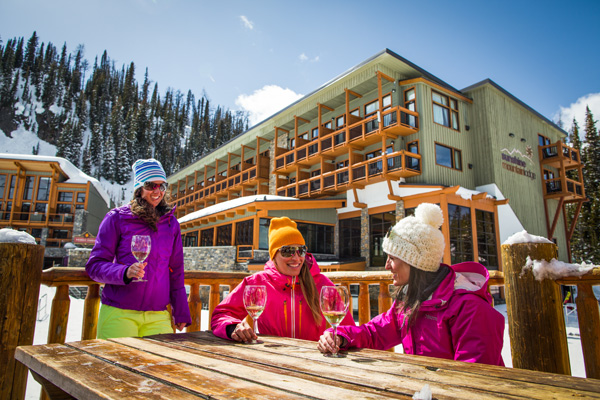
x=261, y=55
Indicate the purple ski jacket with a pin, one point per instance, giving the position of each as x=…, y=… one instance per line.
x=457, y=323
x=286, y=313
x=111, y=256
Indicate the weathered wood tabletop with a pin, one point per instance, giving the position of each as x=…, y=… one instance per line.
x=200, y=365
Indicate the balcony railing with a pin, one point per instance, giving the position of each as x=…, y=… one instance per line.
x=559, y=154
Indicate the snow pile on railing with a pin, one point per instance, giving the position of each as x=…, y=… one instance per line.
x=8, y=235
x=543, y=269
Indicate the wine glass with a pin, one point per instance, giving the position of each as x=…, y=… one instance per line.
x=334, y=305
x=140, y=248
x=255, y=300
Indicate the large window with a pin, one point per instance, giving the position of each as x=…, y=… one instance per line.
x=445, y=110
x=28, y=189
x=461, y=233
x=244, y=232
x=206, y=237
x=263, y=234
x=410, y=98
x=191, y=239
x=379, y=224
x=224, y=235
x=448, y=157
x=486, y=239
x=318, y=238
x=350, y=238
x=43, y=192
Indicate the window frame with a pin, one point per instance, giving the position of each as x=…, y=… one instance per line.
x=451, y=111
x=453, y=151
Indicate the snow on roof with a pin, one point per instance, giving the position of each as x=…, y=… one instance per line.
x=524, y=237
x=8, y=235
x=75, y=174
x=555, y=269
x=467, y=194
x=214, y=209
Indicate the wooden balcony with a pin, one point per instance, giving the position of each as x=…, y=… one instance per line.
x=403, y=164
x=559, y=155
x=563, y=187
x=400, y=121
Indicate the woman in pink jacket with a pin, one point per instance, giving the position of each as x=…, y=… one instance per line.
x=293, y=280
x=439, y=311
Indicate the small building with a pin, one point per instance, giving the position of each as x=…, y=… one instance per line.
x=362, y=151
x=52, y=200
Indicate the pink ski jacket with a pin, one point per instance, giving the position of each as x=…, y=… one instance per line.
x=457, y=323
x=287, y=314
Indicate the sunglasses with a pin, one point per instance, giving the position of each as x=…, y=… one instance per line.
x=150, y=186
x=289, y=251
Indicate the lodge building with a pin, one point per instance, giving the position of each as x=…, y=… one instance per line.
x=361, y=152
x=52, y=200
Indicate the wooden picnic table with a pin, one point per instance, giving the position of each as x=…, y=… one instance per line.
x=200, y=365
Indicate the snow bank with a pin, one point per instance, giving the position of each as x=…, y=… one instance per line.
x=8, y=235
x=555, y=269
x=524, y=237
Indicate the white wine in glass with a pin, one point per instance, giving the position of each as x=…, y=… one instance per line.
x=140, y=248
x=255, y=300
x=334, y=306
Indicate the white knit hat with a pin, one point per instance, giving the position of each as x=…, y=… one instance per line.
x=417, y=240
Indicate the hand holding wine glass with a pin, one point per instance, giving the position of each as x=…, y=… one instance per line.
x=255, y=300
x=140, y=248
x=334, y=306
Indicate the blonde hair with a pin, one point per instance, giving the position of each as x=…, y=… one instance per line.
x=309, y=290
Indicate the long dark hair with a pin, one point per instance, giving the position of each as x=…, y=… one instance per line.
x=309, y=290
x=421, y=284
x=144, y=211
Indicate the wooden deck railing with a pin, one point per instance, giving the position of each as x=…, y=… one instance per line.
x=62, y=278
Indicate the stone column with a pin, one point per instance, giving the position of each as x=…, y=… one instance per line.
x=364, y=236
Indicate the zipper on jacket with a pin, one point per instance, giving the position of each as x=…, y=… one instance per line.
x=285, y=311
x=293, y=307
x=300, y=317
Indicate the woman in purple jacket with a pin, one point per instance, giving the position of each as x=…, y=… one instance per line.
x=131, y=307
x=439, y=311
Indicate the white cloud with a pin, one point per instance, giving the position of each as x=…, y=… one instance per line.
x=247, y=23
x=266, y=101
x=577, y=110
x=303, y=57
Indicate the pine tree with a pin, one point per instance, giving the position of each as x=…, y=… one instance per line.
x=122, y=165
x=109, y=159
x=95, y=146
x=86, y=162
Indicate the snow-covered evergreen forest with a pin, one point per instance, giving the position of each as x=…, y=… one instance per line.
x=99, y=117
x=102, y=120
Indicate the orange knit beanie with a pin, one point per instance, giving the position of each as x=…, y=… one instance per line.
x=283, y=232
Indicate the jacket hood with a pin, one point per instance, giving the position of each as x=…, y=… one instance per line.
x=466, y=277
x=278, y=277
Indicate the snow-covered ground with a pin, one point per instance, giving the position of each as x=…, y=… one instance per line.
x=76, y=315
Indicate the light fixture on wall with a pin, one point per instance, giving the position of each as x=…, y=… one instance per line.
x=523, y=140
x=393, y=90
x=470, y=166
x=511, y=134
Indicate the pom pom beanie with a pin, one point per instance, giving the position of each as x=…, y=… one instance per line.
x=283, y=232
x=417, y=240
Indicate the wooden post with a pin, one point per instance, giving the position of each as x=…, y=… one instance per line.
x=59, y=316
x=91, y=306
x=195, y=304
x=364, y=304
x=589, y=320
x=20, y=275
x=538, y=337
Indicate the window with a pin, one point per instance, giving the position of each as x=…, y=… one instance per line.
x=66, y=197
x=461, y=244
x=543, y=140
x=63, y=208
x=386, y=101
x=355, y=112
x=448, y=157
x=318, y=238
x=43, y=192
x=350, y=237
x=2, y=185
x=244, y=232
x=28, y=189
x=314, y=133
x=445, y=110
x=224, y=235
x=410, y=98
x=486, y=239
x=190, y=239
x=327, y=125
x=412, y=162
x=206, y=237
x=11, y=189
x=371, y=108
x=340, y=121
x=413, y=147
x=379, y=224
x=81, y=197
x=263, y=234
x=292, y=144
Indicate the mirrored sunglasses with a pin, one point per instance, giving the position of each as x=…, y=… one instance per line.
x=150, y=186
x=289, y=251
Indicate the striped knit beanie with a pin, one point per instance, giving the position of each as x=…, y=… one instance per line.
x=147, y=170
x=418, y=240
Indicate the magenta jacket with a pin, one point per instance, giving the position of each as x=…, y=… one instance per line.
x=111, y=255
x=457, y=323
x=286, y=313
